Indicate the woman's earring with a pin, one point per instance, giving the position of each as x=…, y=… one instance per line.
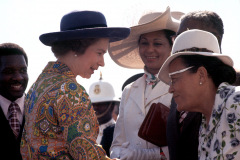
x=200, y=83
x=75, y=55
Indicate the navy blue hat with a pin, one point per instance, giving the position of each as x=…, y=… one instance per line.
x=84, y=24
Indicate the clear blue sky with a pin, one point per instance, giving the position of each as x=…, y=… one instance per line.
x=23, y=21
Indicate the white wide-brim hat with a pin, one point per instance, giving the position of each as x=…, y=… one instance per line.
x=189, y=39
x=125, y=52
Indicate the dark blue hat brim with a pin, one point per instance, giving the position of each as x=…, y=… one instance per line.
x=113, y=33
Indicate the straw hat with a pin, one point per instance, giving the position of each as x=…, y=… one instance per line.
x=189, y=39
x=84, y=24
x=125, y=53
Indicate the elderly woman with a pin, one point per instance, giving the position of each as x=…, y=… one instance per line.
x=148, y=46
x=199, y=78
x=60, y=121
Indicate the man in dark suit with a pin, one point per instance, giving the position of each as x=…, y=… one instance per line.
x=13, y=82
x=182, y=137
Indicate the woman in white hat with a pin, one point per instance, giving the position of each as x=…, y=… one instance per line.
x=148, y=46
x=60, y=121
x=199, y=78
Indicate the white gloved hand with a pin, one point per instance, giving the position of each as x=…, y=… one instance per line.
x=116, y=154
x=128, y=153
x=124, y=151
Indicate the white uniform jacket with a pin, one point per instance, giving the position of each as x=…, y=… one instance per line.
x=132, y=112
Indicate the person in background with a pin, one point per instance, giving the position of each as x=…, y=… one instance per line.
x=60, y=121
x=183, y=127
x=208, y=21
x=103, y=99
x=148, y=46
x=13, y=83
x=204, y=20
x=200, y=77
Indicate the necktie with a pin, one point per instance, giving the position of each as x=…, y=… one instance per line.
x=12, y=118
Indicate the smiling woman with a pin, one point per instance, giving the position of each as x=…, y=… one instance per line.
x=80, y=51
x=154, y=48
x=60, y=120
x=147, y=47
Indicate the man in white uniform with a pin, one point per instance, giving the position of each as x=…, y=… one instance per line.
x=103, y=99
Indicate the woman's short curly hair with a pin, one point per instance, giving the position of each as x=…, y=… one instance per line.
x=79, y=46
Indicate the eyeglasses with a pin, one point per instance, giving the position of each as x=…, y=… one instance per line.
x=171, y=83
x=180, y=71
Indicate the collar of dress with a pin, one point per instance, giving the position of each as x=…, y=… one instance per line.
x=58, y=67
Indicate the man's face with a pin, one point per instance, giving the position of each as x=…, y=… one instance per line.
x=100, y=108
x=103, y=111
x=13, y=76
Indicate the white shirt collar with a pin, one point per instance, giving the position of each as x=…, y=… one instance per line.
x=5, y=103
x=105, y=125
x=102, y=127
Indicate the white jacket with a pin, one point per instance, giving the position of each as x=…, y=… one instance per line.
x=132, y=113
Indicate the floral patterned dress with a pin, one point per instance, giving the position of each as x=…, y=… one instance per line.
x=60, y=120
x=220, y=139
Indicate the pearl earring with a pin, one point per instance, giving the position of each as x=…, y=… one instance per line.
x=200, y=83
x=75, y=55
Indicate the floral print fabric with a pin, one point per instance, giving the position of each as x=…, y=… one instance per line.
x=220, y=139
x=60, y=121
x=151, y=79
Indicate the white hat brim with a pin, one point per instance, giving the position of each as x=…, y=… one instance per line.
x=163, y=74
x=101, y=99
